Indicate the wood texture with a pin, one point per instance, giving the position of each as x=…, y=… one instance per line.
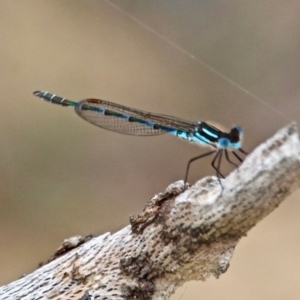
x=180, y=235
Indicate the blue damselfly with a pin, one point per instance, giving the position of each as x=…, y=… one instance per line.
x=131, y=121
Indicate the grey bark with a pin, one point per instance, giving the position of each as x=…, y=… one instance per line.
x=180, y=235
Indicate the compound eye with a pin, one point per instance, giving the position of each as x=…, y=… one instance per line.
x=235, y=134
x=239, y=129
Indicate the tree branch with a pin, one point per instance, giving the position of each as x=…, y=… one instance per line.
x=180, y=235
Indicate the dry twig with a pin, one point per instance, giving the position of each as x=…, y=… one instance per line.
x=180, y=235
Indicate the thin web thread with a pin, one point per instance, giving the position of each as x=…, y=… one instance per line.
x=183, y=292
x=185, y=52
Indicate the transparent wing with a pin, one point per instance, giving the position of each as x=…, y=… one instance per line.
x=126, y=120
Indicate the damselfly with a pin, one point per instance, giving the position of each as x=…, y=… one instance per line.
x=126, y=120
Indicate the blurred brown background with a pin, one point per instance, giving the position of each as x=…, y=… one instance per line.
x=61, y=176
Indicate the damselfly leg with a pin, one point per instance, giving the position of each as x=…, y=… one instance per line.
x=216, y=162
x=192, y=160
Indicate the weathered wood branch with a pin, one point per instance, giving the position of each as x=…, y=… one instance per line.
x=180, y=235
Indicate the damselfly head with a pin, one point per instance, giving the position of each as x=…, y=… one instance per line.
x=236, y=133
x=235, y=137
